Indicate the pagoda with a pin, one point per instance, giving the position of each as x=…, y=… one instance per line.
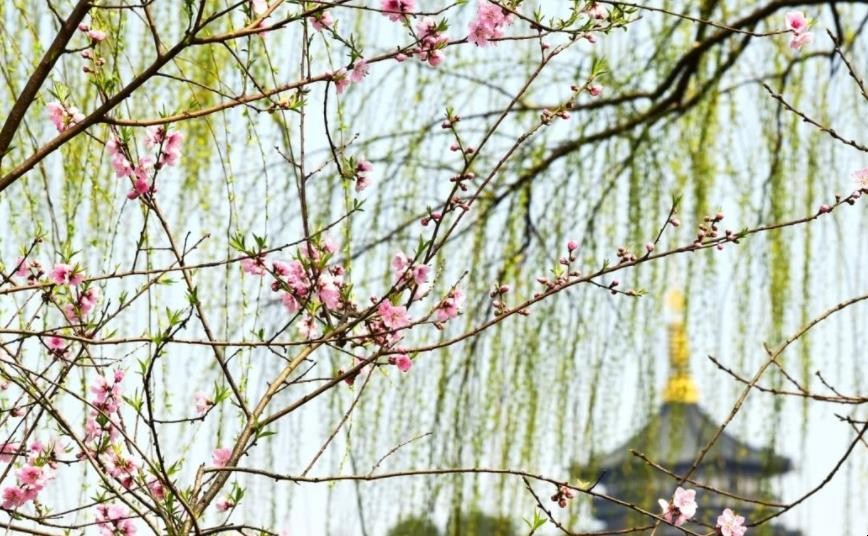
x=673, y=438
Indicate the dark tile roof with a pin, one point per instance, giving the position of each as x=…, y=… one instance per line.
x=676, y=436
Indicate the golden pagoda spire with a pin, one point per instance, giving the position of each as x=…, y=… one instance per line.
x=680, y=387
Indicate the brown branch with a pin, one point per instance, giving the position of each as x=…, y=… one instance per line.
x=34, y=83
x=588, y=490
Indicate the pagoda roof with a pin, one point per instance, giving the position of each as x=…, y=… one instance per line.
x=676, y=435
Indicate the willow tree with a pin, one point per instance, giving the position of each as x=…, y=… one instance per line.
x=323, y=266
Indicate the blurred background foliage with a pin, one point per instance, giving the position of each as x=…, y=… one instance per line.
x=683, y=115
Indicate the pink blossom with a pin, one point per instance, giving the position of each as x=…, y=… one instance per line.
x=595, y=90
x=731, y=524
x=22, y=267
x=796, y=21
x=122, y=468
x=224, y=504
x=307, y=327
x=800, y=40
x=403, y=362
x=92, y=429
x=113, y=146
x=329, y=245
x=201, y=403
x=488, y=24
x=13, y=497
x=861, y=178
x=114, y=520
x=400, y=262
x=158, y=491
x=420, y=273
x=451, y=306
x=281, y=268
x=105, y=391
x=433, y=58
x=394, y=316
x=7, y=451
x=143, y=168
x=338, y=272
x=168, y=142
x=70, y=312
x=322, y=20
x=55, y=343
x=96, y=36
x=297, y=279
x=397, y=9
x=362, y=182
x=360, y=70
x=683, y=507
x=31, y=475
x=328, y=291
x=572, y=245
x=685, y=500
x=341, y=80
x=88, y=299
x=56, y=113
x=289, y=301
x=121, y=165
x=37, y=448
x=253, y=266
x=220, y=457
x=309, y=250
x=140, y=188
x=63, y=117
x=172, y=148
x=597, y=11
x=64, y=274
x=363, y=166
x=431, y=41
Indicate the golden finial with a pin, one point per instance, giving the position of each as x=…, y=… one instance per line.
x=680, y=388
x=675, y=302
